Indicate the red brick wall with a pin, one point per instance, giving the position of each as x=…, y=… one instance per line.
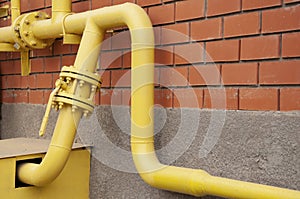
x=221, y=54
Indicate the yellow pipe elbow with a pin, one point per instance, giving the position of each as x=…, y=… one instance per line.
x=57, y=154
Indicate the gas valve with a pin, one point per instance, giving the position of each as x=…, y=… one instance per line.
x=61, y=95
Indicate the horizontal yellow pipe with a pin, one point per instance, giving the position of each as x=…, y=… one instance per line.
x=6, y=35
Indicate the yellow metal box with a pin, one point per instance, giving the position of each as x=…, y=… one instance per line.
x=73, y=182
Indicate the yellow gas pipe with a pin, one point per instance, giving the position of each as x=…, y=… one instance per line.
x=92, y=24
x=15, y=9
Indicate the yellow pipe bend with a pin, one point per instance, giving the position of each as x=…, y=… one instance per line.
x=183, y=180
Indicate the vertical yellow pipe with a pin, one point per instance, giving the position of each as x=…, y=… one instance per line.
x=60, y=9
x=15, y=9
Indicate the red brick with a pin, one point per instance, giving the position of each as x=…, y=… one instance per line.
x=13, y=55
x=282, y=19
x=122, y=1
x=217, y=7
x=17, y=66
x=289, y=99
x=188, y=98
x=188, y=53
x=126, y=97
x=258, y=99
x=46, y=96
x=163, y=97
x=60, y=48
x=225, y=50
x=3, y=82
x=24, y=82
x=44, y=81
x=111, y=59
x=240, y=74
x=157, y=35
x=176, y=33
x=204, y=75
x=260, y=47
x=42, y=52
x=121, y=40
x=33, y=5
x=24, y=5
x=206, y=29
x=173, y=76
x=256, y=4
x=164, y=55
x=244, y=24
x=290, y=1
x=74, y=48
x=3, y=56
x=36, y=97
x=68, y=60
x=21, y=96
x=156, y=77
x=80, y=6
x=285, y=72
x=148, y=2
x=37, y=65
x=105, y=75
x=111, y=97
x=7, y=96
x=7, y=67
x=105, y=97
x=190, y=9
x=162, y=14
x=120, y=78
x=290, y=45
x=55, y=76
x=32, y=81
x=13, y=81
x=100, y=3
x=52, y=64
x=48, y=3
x=221, y=99
x=106, y=43
x=126, y=59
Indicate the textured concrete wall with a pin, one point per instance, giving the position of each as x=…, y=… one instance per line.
x=261, y=147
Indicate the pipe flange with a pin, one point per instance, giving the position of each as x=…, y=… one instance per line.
x=28, y=39
x=19, y=42
x=83, y=76
x=62, y=98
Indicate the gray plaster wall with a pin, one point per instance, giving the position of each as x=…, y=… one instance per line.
x=260, y=147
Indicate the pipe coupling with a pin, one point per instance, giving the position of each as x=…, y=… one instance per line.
x=70, y=76
x=23, y=34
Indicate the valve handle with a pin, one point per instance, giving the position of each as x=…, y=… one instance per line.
x=58, y=85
